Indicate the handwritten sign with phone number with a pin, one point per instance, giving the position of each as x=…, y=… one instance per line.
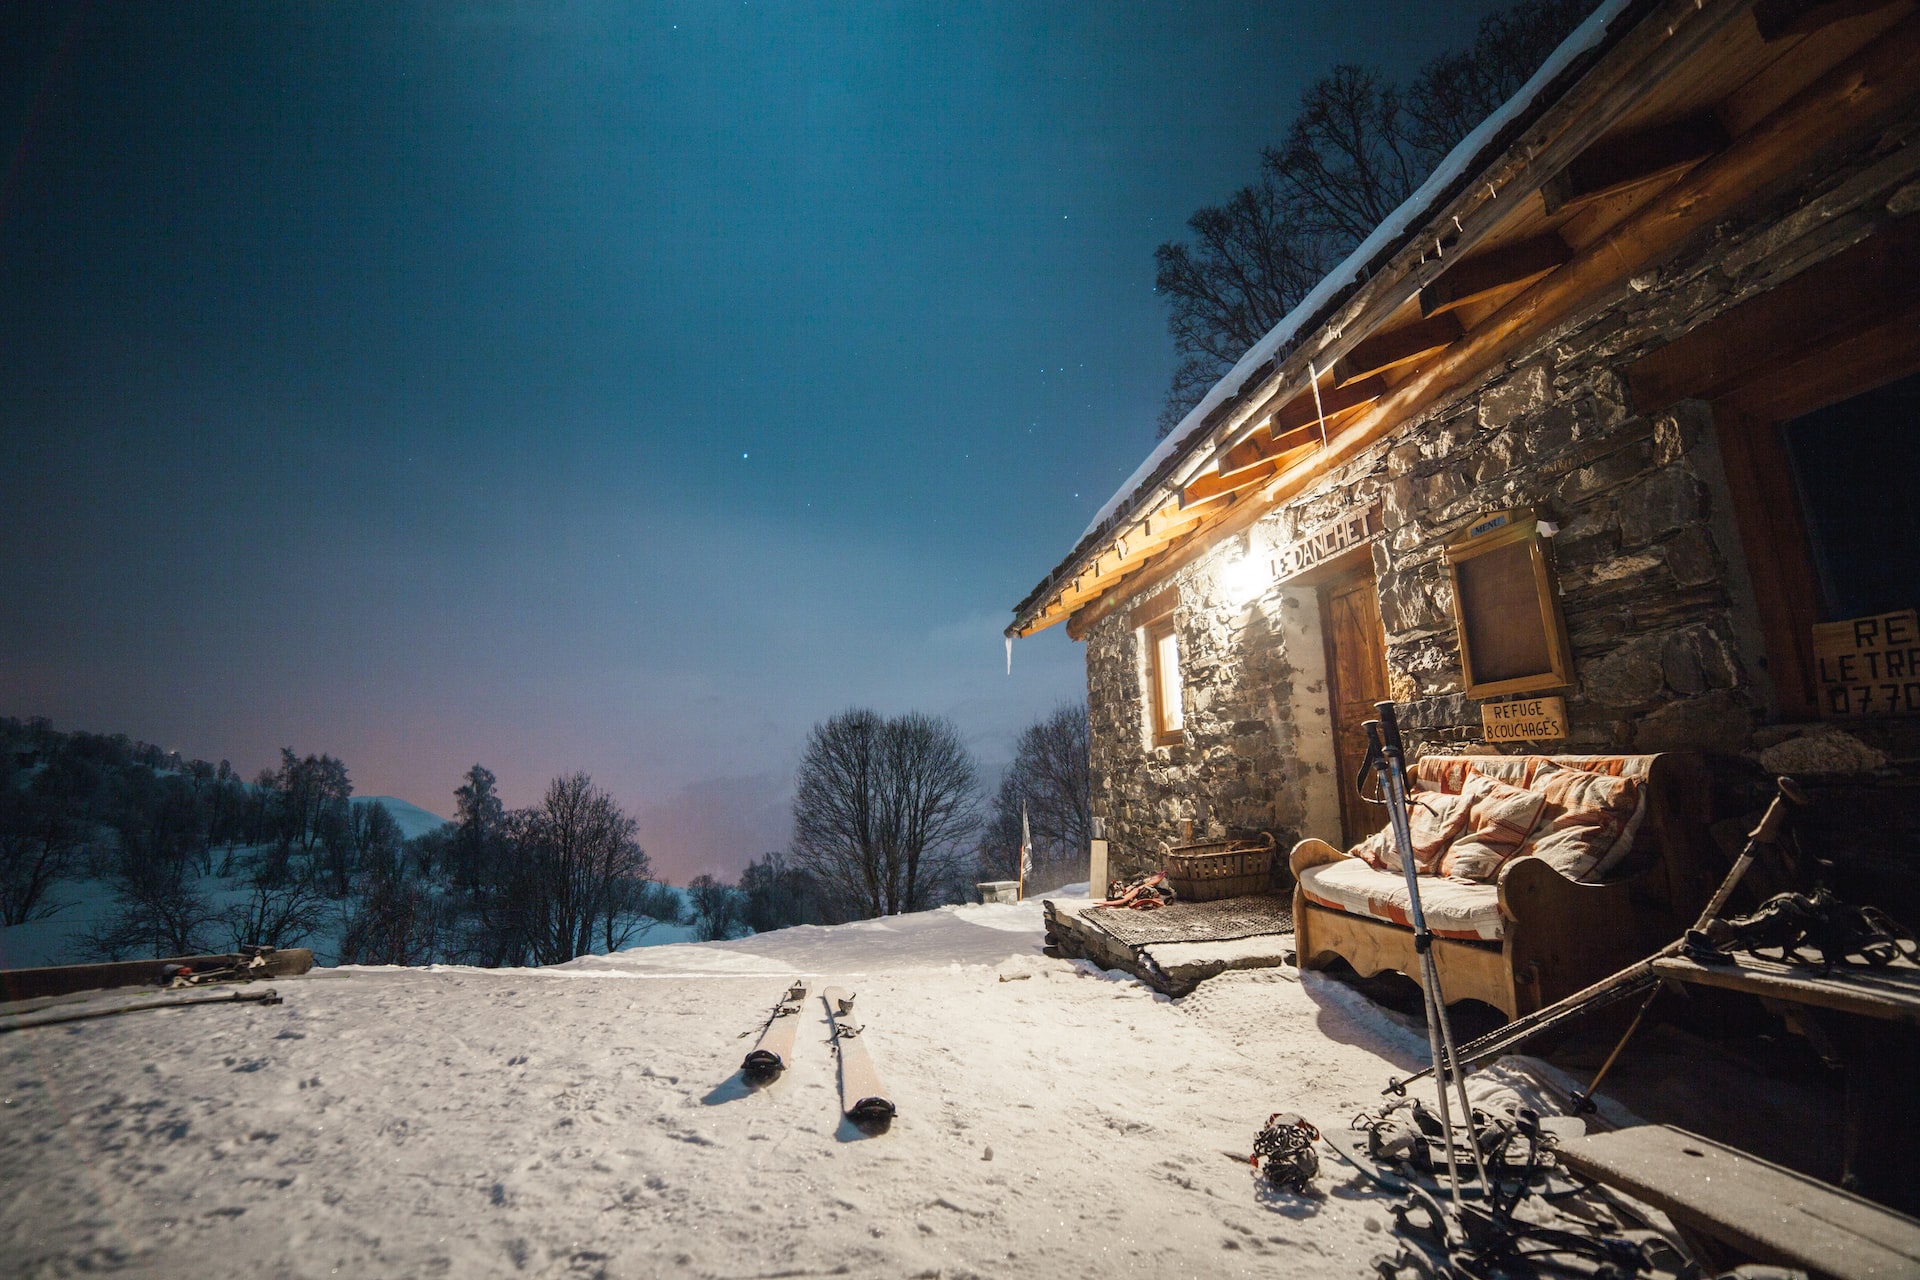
x=1869, y=666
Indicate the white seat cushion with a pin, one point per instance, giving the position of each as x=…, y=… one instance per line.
x=1454, y=908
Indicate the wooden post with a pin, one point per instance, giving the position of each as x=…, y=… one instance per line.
x=1097, y=870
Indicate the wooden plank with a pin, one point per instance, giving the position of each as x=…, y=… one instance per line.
x=1875, y=634
x=1301, y=412
x=1633, y=157
x=1874, y=279
x=1829, y=372
x=1492, y=271
x=1394, y=348
x=1772, y=1214
x=1868, y=666
x=1778, y=19
x=1802, y=59
x=58, y=980
x=1468, y=970
x=1778, y=555
x=1891, y=994
x=1524, y=720
x=1211, y=484
x=1263, y=446
x=1156, y=606
x=1213, y=504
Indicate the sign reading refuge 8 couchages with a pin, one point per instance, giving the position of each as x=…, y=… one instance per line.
x=1524, y=720
x=1869, y=666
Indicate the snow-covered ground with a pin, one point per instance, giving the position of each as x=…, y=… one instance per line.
x=589, y=1119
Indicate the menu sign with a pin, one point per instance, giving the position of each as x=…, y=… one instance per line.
x=1869, y=666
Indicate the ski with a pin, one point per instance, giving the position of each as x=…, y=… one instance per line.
x=774, y=1049
x=862, y=1097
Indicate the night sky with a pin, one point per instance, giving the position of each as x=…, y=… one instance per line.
x=591, y=386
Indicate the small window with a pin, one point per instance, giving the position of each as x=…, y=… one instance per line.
x=1163, y=680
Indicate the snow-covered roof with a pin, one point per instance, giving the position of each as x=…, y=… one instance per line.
x=1475, y=152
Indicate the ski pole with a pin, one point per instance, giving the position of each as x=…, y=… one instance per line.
x=1394, y=752
x=1638, y=976
x=1403, y=840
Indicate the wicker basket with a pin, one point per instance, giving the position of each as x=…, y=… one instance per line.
x=1219, y=869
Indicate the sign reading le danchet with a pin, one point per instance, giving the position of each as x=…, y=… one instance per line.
x=1869, y=666
x=1524, y=720
x=1323, y=542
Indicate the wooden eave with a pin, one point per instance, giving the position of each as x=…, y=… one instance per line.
x=1777, y=102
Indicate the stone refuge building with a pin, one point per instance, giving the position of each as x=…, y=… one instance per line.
x=1606, y=398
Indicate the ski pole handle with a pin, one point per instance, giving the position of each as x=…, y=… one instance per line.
x=1776, y=816
x=1767, y=833
x=1374, y=750
x=1389, y=729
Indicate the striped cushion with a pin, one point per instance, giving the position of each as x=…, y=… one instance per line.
x=1499, y=819
x=1454, y=908
x=1435, y=820
x=1587, y=822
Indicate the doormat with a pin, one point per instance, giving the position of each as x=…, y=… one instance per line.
x=1221, y=921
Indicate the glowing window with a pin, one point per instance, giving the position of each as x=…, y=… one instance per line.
x=1163, y=679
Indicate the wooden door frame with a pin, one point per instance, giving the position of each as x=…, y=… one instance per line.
x=1348, y=570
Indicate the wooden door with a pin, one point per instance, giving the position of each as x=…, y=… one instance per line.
x=1356, y=679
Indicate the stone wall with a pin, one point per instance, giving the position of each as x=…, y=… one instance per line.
x=1653, y=583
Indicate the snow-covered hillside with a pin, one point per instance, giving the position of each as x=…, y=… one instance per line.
x=414, y=821
x=589, y=1119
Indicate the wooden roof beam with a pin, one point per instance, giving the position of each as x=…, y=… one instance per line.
x=1844, y=104
x=1301, y=411
x=1639, y=155
x=1877, y=277
x=1394, y=348
x=1214, y=483
x=1262, y=447
x=1497, y=270
x=1778, y=19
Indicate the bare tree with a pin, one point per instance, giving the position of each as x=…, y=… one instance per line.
x=1356, y=149
x=310, y=797
x=39, y=839
x=882, y=806
x=158, y=913
x=634, y=909
x=571, y=864
x=1458, y=89
x=1243, y=273
x=394, y=918
x=281, y=914
x=1051, y=777
x=714, y=908
x=778, y=894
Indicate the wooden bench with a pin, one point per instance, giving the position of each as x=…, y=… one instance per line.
x=1558, y=934
x=1764, y=1212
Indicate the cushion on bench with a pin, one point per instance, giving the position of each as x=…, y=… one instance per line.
x=1454, y=908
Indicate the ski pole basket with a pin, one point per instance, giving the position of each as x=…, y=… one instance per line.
x=1215, y=869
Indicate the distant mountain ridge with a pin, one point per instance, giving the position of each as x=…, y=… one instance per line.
x=414, y=821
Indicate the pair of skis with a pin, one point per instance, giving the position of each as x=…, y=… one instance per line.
x=863, y=1099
